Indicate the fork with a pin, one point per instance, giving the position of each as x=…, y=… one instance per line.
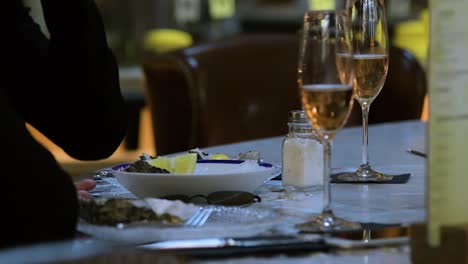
x=199, y=218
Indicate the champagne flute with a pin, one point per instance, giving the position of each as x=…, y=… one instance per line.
x=370, y=45
x=325, y=79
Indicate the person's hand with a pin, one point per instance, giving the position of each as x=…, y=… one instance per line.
x=83, y=187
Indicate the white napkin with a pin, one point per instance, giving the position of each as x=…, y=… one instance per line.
x=177, y=208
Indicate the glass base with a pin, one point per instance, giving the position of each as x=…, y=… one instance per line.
x=365, y=173
x=302, y=189
x=327, y=222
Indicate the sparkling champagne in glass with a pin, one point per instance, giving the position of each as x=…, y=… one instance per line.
x=370, y=59
x=326, y=87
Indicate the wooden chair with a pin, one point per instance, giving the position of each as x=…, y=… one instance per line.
x=221, y=92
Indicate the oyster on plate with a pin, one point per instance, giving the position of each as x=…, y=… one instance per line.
x=116, y=210
x=145, y=167
x=248, y=155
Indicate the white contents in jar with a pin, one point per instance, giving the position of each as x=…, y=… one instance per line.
x=302, y=162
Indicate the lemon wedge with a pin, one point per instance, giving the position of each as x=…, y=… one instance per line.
x=185, y=163
x=162, y=163
x=181, y=164
x=219, y=156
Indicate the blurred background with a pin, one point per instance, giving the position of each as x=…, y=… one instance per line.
x=136, y=29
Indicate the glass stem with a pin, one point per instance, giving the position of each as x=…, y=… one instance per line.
x=365, y=136
x=326, y=175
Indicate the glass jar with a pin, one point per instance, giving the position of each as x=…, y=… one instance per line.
x=302, y=155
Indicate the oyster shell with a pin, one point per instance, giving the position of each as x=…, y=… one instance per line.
x=116, y=210
x=249, y=155
x=145, y=167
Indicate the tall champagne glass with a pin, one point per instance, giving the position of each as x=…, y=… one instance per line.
x=370, y=45
x=325, y=79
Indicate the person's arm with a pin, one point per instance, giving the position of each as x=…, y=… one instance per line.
x=39, y=201
x=68, y=86
x=68, y=89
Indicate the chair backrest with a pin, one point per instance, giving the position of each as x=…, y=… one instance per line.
x=222, y=92
x=402, y=96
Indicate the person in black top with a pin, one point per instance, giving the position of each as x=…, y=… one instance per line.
x=66, y=86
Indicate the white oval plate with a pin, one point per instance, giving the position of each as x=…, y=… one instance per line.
x=223, y=222
x=209, y=176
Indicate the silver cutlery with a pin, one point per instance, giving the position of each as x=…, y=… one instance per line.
x=277, y=242
x=199, y=218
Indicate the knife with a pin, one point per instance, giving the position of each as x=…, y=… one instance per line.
x=242, y=245
x=308, y=242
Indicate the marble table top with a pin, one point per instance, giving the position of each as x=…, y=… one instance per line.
x=365, y=203
x=378, y=203
x=382, y=203
x=387, y=145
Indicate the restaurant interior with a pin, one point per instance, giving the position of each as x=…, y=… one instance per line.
x=220, y=77
x=142, y=32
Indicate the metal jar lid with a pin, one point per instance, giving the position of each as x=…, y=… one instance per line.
x=298, y=116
